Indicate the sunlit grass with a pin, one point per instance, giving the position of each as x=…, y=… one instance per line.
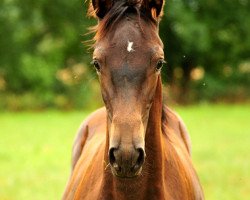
x=221, y=146
x=35, y=151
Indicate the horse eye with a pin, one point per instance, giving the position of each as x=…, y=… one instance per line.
x=96, y=65
x=160, y=64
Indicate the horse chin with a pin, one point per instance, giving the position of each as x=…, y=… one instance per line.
x=127, y=175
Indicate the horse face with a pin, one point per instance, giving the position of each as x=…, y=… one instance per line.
x=128, y=63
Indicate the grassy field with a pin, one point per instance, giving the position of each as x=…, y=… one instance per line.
x=35, y=150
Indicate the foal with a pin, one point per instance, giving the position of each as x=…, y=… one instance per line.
x=134, y=148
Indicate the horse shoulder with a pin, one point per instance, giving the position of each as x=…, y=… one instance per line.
x=178, y=155
x=175, y=122
x=94, y=123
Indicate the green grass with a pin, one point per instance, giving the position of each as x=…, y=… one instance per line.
x=35, y=150
x=221, y=145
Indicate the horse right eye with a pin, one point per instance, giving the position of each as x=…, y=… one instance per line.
x=96, y=65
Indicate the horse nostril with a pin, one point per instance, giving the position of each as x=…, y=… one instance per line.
x=141, y=158
x=112, y=155
x=112, y=159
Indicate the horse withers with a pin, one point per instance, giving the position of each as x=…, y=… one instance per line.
x=135, y=147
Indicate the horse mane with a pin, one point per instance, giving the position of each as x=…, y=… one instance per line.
x=120, y=9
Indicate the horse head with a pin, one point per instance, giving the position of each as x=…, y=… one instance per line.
x=128, y=57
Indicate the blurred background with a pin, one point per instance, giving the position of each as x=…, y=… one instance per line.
x=47, y=87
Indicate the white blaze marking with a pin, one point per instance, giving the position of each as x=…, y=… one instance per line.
x=129, y=48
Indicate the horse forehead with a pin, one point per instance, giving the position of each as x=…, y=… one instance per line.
x=129, y=37
x=134, y=40
x=126, y=30
x=127, y=50
x=128, y=46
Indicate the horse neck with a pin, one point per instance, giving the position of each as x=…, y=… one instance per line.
x=153, y=138
x=152, y=176
x=153, y=133
x=153, y=147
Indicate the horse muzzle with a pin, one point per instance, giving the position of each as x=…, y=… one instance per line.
x=126, y=162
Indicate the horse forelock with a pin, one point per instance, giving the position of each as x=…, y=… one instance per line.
x=119, y=10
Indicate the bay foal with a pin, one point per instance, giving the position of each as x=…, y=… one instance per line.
x=135, y=148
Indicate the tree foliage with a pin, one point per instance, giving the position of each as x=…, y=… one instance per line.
x=214, y=35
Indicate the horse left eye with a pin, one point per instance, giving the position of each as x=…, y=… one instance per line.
x=160, y=64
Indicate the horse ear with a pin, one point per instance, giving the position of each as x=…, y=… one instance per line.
x=153, y=7
x=99, y=8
